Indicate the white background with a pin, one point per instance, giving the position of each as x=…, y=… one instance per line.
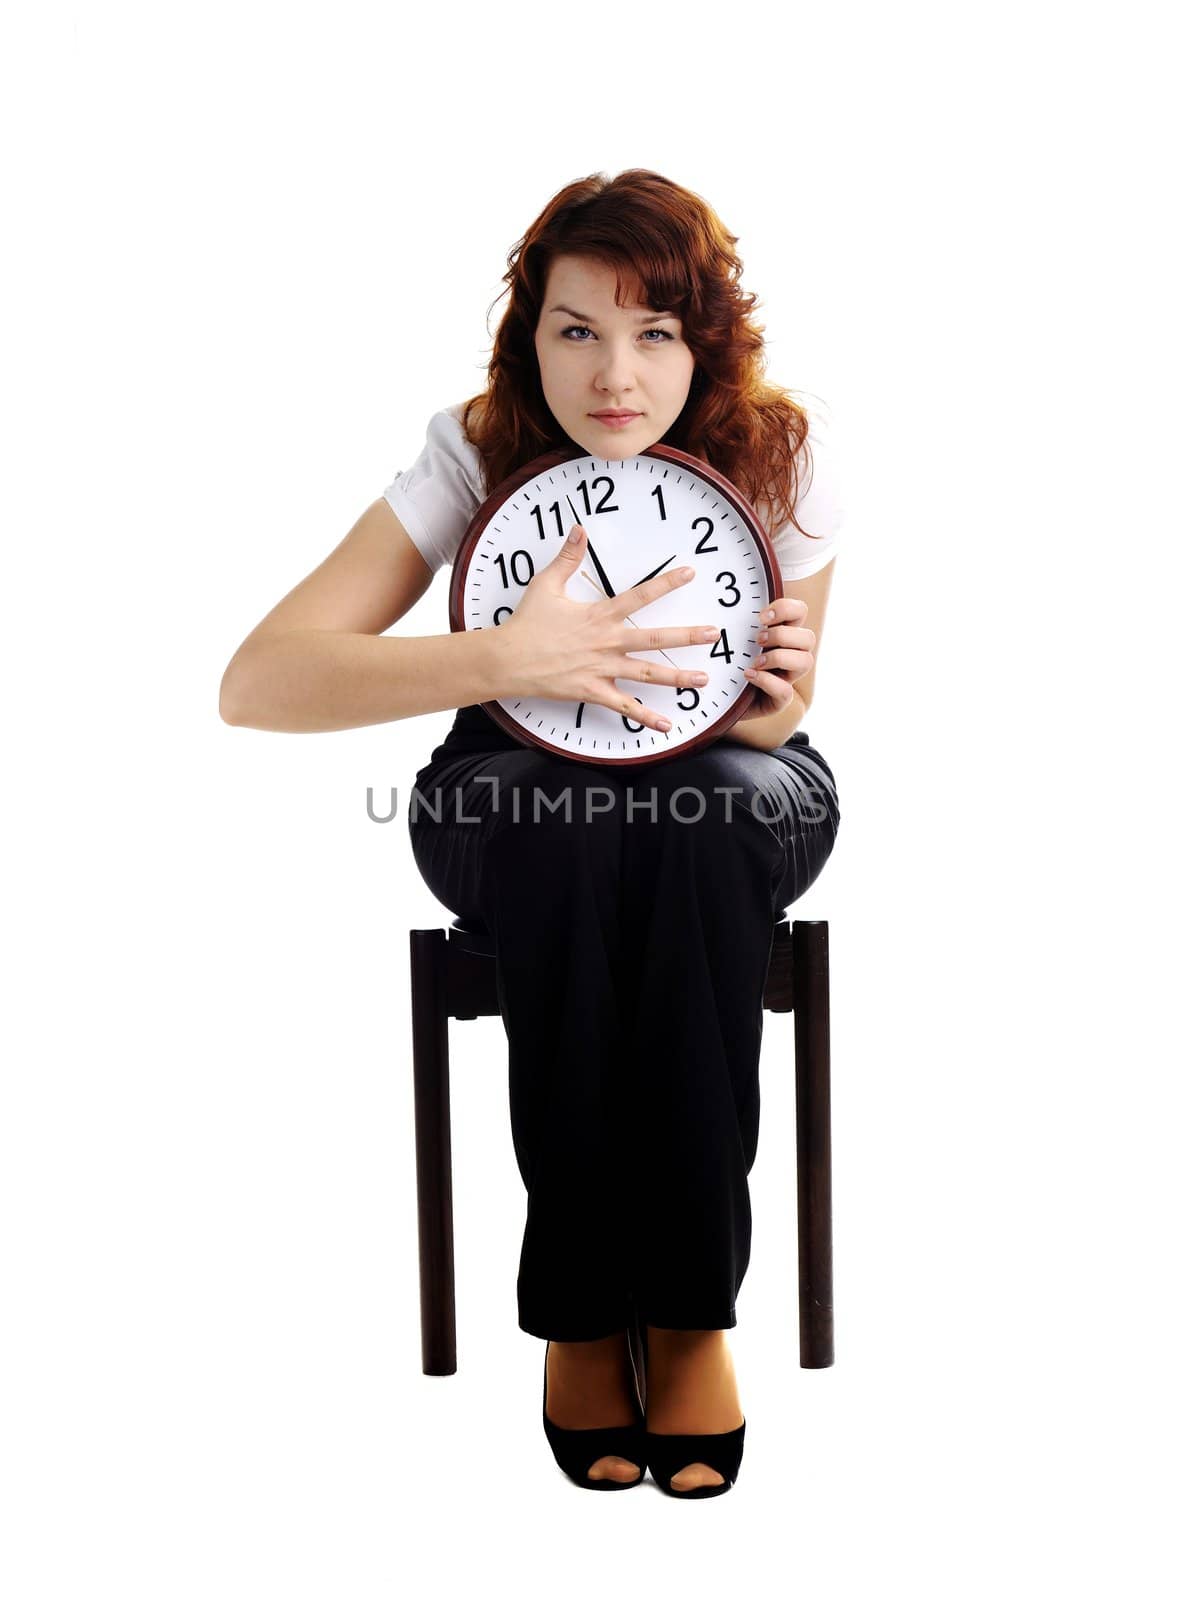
x=250, y=250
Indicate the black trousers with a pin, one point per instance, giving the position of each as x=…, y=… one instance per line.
x=632, y=912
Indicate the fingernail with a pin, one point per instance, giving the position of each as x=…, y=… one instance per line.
x=767, y=616
x=574, y=536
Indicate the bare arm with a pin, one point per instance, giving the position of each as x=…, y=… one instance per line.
x=315, y=663
x=307, y=680
x=767, y=733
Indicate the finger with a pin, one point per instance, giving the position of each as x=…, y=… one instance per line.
x=569, y=555
x=790, y=638
x=797, y=661
x=777, y=688
x=643, y=593
x=786, y=608
x=638, y=671
x=628, y=705
x=660, y=638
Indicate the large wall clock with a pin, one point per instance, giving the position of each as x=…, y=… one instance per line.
x=660, y=508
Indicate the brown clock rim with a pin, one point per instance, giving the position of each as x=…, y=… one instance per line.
x=506, y=491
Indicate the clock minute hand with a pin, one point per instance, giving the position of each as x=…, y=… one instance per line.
x=608, y=587
x=601, y=573
x=584, y=573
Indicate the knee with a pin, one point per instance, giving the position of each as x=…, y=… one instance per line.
x=706, y=792
x=726, y=811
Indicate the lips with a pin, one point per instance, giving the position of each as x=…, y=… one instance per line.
x=614, y=416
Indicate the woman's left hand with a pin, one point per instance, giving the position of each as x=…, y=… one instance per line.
x=787, y=653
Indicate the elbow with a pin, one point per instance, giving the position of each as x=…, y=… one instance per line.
x=231, y=696
x=227, y=708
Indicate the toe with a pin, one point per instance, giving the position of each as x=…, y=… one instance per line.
x=614, y=1467
x=695, y=1476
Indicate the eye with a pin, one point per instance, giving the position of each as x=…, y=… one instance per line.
x=579, y=327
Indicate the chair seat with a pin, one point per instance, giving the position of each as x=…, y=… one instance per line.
x=472, y=934
x=475, y=936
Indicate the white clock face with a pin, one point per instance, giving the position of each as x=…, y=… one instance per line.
x=646, y=514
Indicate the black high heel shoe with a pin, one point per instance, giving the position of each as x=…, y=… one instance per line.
x=669, y=1453
x=575, y=1449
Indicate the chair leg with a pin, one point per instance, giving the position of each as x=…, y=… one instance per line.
x=812, y=1064
x=434, y=1161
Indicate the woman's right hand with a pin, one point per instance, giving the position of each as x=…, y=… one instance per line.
x=555, y=648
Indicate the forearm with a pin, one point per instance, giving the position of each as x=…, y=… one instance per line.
x=315, y=681
x=767, y=733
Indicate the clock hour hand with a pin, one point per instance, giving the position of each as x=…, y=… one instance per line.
x=656, y=571
x=584, y=573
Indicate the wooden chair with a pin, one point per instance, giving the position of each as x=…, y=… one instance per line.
x=454, y=974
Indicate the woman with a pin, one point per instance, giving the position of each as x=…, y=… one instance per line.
x=632, y=940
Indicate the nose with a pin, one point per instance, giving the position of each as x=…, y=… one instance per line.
x=615, y=374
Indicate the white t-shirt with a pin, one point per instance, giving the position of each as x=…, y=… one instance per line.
x=436, y=497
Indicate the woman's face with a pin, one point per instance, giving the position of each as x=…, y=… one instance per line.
x=596, y=356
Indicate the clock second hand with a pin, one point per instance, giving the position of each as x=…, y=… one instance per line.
x=584, y=573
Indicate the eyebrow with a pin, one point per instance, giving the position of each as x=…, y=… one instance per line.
x=654, y=316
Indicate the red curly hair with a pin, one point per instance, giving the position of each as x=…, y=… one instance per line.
x=669, y=247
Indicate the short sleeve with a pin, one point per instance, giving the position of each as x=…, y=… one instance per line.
x=435, y=498
x=820, y=507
